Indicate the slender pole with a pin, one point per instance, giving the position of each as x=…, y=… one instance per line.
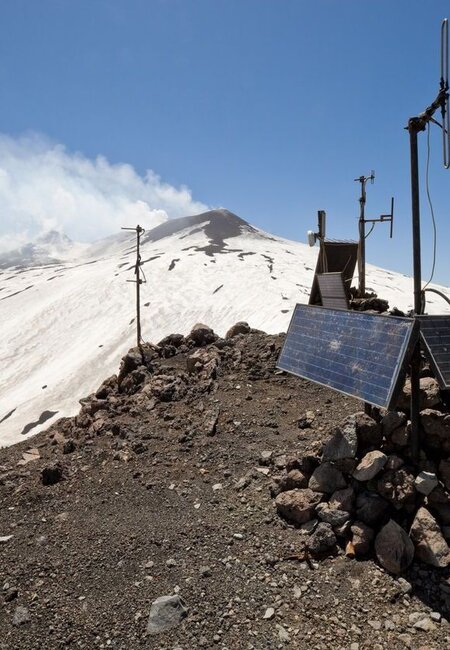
x=413, y=127
x=362, y=240
x=138, y=284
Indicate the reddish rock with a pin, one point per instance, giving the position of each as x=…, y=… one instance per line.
x=362, y=537
x=429, y=542
x=397, y=486
x=370, y=466
x=298, y=506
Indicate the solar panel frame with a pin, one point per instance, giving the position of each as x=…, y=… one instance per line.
x=435, y=339
x=332, y=290
x=345, y=372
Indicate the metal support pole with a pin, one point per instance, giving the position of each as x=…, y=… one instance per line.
x=138, y=284
x=413, y=127
x=362, y=249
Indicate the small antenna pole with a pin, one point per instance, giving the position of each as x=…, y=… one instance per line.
x=362, y=230
x=137, y=270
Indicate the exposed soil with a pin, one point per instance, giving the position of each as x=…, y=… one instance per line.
x=163, y=490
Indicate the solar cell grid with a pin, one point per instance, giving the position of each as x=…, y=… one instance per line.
x=355, y=353
x=435, y=335
x=332, y=290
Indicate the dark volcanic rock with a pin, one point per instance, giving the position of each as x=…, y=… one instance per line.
x=52, y=474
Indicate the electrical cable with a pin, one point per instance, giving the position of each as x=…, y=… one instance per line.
x=430, y=203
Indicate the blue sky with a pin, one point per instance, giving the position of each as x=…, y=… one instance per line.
x=268, y=108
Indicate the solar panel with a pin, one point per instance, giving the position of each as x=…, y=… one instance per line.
x=334, y=256
x=332, y=290
x=355, y=353
x=435, y=335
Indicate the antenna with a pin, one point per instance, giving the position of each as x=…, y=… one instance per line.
x=137, y=270
x=444, y=89
x=415, y=125
x=313, y=237
x=362, y=229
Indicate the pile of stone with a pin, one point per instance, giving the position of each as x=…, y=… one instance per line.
x=364, y=494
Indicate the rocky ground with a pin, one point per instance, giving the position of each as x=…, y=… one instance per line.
x=163, y=485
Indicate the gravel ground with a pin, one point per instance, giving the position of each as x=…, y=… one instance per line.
x=160, y=489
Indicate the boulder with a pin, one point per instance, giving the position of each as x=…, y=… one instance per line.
x=332, y=516
x=430, y=544
x=343, y=442
x=326, y=478
x=201, y=335
x=371, y=509
x=238, y=328
x=293, y=480
x=362, y=537
x=436, y=426
x=438, y=502
x=397, y=486
x=429, y=394
x=392, y=421
x=369, y=432
x=297, y=506
x=322, y=540
x=393, y=548
x=400, y=436
x=372, y=463
x=343, y=499
x=444, y=473
x=166, y=612
x=306, y=464
x=425, y=482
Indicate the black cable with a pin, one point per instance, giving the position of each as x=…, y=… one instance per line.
x=430, y=203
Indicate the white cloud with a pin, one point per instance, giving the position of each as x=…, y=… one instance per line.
x=43, y=187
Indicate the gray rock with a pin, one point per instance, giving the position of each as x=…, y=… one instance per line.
x=393, y=547
x=265, y=457
x=430, y=544
x=343, y=499
x=370, y=466
x=425, y=482
x=362, y=537
x=331, y=515
x=322, y=540
x=370, y=433
x=166, y=612
x=392, y=421
x=397, y=486
x=21, y=615
x=326, y=478
x=298, y=506
x=343, y=442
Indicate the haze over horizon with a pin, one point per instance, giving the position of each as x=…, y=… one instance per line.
x=116, y=113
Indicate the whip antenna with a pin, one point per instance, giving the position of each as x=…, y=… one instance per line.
x=444, y=90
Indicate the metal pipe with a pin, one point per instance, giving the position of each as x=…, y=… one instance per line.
x=413, y=128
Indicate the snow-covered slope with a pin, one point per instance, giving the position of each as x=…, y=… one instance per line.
x=65, y=325
x=50, y=248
